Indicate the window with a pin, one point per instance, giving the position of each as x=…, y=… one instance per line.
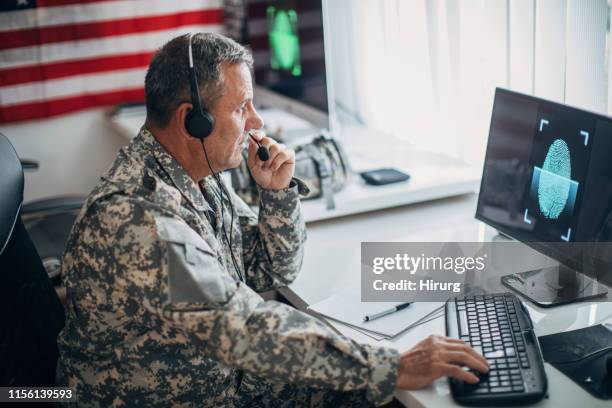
x=425, y=71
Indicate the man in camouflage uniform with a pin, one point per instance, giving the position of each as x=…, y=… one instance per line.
x=161, y=312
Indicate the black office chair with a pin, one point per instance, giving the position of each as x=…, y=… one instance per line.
x=31, y=313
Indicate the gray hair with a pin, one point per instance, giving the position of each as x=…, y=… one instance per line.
x=167, y=80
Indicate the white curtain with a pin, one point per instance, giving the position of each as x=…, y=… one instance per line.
x=425, y=71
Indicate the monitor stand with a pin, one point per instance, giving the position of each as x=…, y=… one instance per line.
x=554, y=286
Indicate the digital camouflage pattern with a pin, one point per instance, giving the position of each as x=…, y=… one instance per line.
x=158, y=316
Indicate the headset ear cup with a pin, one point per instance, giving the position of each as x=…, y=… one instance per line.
x=199, y=125
x=189, y=123
x=209, y=123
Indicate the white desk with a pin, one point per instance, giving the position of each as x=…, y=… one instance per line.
x=332, y=261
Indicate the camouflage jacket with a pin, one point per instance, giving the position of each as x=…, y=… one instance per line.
x=157, y=314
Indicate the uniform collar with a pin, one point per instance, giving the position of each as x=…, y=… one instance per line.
x=177, y=174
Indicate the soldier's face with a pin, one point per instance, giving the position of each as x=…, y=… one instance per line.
x=234, y=115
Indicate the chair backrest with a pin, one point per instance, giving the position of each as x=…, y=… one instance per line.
x=11, y=187
x=31, y=315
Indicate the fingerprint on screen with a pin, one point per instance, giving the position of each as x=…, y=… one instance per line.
x=554, y=185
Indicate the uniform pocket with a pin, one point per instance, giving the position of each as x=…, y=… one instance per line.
x=195, y=278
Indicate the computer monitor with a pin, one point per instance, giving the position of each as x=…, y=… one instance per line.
x=547, y=182
x=288, y=44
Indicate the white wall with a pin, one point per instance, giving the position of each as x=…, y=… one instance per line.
x=585, y=55
x=73, y=151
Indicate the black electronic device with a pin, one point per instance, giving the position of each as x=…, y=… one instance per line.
x=287, y=38
x=198, y=122
x=547, y=182
x=262, y=151
x=379, y=177
x=500, y=328
x=584, y=356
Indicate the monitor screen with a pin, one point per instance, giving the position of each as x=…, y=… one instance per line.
x=547, y=174
x=286, y=37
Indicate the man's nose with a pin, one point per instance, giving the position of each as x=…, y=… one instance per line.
x=255, y=121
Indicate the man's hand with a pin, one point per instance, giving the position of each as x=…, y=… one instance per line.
x=438, y=356
x=277, y=171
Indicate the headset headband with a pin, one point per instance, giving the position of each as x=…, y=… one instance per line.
x=193, y=81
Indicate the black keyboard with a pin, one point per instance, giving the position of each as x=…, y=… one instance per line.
x=499, y=327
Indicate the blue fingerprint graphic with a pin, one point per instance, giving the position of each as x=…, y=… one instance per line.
x=555, y=180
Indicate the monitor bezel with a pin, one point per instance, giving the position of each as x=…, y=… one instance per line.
x=546, y=248
x=316, y=116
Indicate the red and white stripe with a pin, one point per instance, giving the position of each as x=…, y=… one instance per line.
x=67, y=55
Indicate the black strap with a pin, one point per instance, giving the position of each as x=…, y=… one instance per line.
x=325, y=175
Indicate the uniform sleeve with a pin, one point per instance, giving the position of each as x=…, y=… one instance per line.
x=273, y=243
x=183, y=293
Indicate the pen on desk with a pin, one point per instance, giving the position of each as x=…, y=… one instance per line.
x=394, y=309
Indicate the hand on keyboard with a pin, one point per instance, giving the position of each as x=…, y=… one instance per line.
x=435, y=357
x=498, y=326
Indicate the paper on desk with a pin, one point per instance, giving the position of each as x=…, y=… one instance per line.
x=346, y=307
x=438, y=313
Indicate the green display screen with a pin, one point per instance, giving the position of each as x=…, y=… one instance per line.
x=284, y=40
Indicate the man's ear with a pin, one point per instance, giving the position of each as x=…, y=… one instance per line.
x=180, y=114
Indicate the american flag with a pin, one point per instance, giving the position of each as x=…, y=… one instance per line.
x=60, y=56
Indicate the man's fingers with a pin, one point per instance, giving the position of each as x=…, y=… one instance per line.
x=283, y=156
x=459, y=373
x=257, y=135
x=466, y=359
x=470, y=351
x=274, y=149
x=452, y=340
x=252, y=154
x=267, y=141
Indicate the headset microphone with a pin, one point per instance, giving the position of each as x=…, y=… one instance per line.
x=262, y=151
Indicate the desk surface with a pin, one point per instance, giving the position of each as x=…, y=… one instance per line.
x=333, y=256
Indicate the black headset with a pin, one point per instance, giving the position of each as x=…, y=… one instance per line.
x=198, y=122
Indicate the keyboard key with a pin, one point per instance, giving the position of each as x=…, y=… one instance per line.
x=494, y=354
x=463, y=325
x=500, y=389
